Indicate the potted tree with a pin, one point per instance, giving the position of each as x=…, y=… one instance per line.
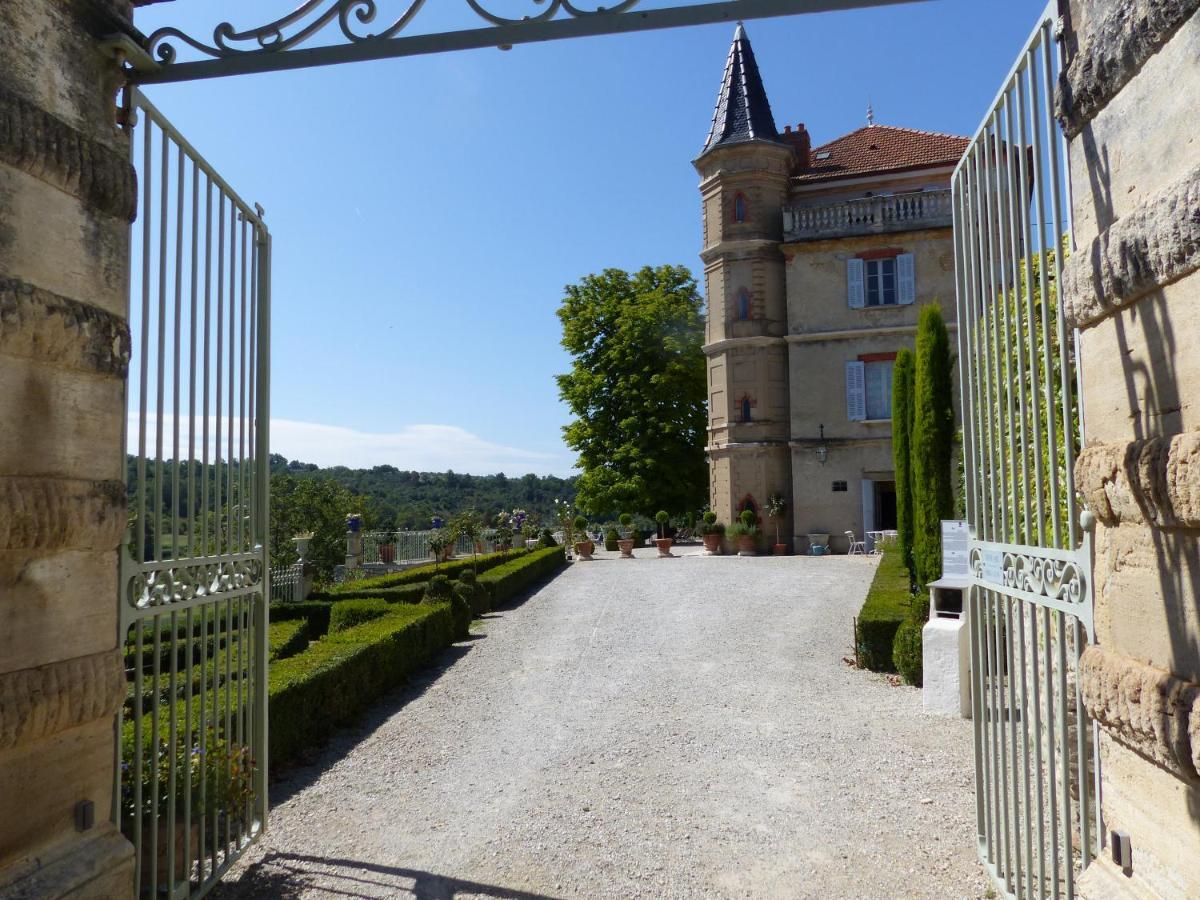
x=776, y=510
x=583, y=547
x=714, y=533
x=626, y=542
x=663, y=542
x=745, y=532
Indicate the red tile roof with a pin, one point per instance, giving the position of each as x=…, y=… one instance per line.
x=882, y=148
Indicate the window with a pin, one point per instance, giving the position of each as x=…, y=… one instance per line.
x=743, y=304
x=886, y=280
x=739, y=208
x=881, y=282
x=839, y=487
x=746, y=404
x=879, y=389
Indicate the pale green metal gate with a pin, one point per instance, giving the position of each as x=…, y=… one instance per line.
x=190, y=789
x=1030, y=604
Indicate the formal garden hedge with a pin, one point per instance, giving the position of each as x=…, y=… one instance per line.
x=287, y=638
x=887, y=606
x=373, y=587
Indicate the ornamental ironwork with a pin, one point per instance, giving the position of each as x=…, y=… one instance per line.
x=1026, y=570
x=205, y=579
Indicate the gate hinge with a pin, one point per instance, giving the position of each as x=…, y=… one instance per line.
x=127, y=50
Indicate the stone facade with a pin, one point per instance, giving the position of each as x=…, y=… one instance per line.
x=66, y=200
x=785, y=225
x=1128, y=98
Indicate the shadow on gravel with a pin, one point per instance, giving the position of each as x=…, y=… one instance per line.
x=289, y=875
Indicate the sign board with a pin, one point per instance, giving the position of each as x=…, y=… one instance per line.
x=955, y=551
x=993, y=566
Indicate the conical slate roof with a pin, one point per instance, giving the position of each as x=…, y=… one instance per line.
x=742, y=113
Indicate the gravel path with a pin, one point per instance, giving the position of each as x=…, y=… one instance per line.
x=677, y=728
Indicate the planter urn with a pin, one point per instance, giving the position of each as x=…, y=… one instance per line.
x=664, y=546
x=584, y=549
x=387, y=553
x=712, y=544
x=747, y=546
x=626, y=547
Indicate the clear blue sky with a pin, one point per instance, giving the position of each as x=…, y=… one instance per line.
x=427, y=212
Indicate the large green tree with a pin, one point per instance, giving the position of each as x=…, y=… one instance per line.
x=637, y=389
x=318, y=505
x=902, y=410
x=932, y=443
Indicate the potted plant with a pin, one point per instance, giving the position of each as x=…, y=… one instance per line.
x=714, y=533
x=503, y=531
x=441, y=545
x=626, y=542
x=663, y=542
x=745, y=531
x=776, y=510
x=387, y=548
x=584, y=548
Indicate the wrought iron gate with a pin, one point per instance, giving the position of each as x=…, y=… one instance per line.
x=1030, y=604
x=190, y=790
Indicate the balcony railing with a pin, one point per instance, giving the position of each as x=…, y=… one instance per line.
x=869, y=215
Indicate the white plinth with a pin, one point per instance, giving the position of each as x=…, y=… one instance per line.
x=947, y=685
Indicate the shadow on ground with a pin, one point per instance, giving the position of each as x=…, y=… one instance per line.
x=288, y=875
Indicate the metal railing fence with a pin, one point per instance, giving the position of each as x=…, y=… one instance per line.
x=413, y=546
x=190, y=787
x=287, y=583
x=1030, y=604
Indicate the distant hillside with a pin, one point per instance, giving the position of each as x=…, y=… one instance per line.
x=408, y=500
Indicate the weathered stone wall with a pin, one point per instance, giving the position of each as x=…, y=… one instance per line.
x=1129, y=99
x=66, y=199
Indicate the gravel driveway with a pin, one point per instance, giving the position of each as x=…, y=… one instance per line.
x=674, y=728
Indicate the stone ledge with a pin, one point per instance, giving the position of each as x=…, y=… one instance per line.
x=1149, y=482
x=1156, y=244
x=1146, y=709
x=60, y=514
x=38, y=703
x=38, y=324
x=47, y=148
x=99, y=864
x=1112, y=52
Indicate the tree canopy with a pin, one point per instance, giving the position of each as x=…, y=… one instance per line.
x=637, y=389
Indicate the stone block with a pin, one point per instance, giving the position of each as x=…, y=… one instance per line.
x=945, y=668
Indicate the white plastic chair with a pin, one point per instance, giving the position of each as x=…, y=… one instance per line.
x=857, y=548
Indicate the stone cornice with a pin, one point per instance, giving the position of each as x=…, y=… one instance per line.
x=749, y=246
x=1154, y=245
x=1112, y=52
x=747, y=445
x=740, y=343
x=850, y=334
x=49, y=149
x=1151, y=711
x=48, y=514
x=38, y=703
x=1148, y=482
x=37, y=324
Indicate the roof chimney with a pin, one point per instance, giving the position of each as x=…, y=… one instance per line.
x=802, y=144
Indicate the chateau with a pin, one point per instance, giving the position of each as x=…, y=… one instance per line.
x=816, y=260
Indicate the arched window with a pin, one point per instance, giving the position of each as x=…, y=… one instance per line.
x=748, y=504
x=746, y=404
x=743, y=304
x=739, y=207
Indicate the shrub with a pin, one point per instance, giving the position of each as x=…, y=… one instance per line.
x=315, y=612
x=932, y=444
x=906, y=651
x=610, y=539
x=580, y=524
x=886, y=607
x=639, y=537
x=902, y=407
x=355, y=611
x=404, y=593
x=506, y=582
x=420, y=574
x=440, y=590
x=547, y=539
x=474, y=594
x=748, y=518
x=287, y=638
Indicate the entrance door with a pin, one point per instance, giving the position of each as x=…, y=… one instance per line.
x=1030, y=603
x=190, y=788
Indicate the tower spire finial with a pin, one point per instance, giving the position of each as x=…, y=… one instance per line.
x=742, y=113
x=870, y=113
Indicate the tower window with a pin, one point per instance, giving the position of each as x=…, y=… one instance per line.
x=747, y=405
x=739, y=207
x=743, y=304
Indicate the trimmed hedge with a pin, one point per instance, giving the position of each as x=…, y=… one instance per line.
x=886, y=607
x=332, y=682
x=511, y=579
x=315, y=612
x=287, y=638
x=906, y=651
x=367, y=587
x=355, y=611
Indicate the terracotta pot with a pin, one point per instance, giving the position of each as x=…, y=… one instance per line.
x=664, y=546
x=184, y=835
x=747, y=545
x=626, y=546
x=779, y=549
x=387, y=553
x=584, y=549
x=712, y=543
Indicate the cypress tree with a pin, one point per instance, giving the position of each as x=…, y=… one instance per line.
x=932, y=442
x=902, y=406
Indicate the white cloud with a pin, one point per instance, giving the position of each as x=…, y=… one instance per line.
x=423, y=448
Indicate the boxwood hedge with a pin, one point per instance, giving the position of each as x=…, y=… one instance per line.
x=886, y=607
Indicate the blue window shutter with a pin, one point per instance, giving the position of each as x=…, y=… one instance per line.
x=856, y=391
x=907, y=278
x=855, y=290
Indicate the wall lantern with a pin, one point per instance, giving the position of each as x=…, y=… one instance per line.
x=822, y=451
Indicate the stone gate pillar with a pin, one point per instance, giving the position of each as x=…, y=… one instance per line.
x=1130, y=101
x=66, y=200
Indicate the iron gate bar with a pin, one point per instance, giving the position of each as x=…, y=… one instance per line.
x=272, y=52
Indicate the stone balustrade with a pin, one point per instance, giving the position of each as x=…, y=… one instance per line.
x=868, y=215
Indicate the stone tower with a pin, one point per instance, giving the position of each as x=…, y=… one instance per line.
x=744, y=169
